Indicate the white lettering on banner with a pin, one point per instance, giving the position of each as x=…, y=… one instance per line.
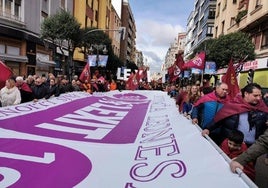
x=101, y=116
x=85, y=114
x=114, y=104
x=91, y=134
x=24, y=108
x=10, y=176
x=47, y=159
x=157, y=142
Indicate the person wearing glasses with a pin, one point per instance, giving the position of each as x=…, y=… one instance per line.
x=247, y=112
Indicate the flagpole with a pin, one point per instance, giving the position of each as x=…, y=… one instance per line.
x=202, y=78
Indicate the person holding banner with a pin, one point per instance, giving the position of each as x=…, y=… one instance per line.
x=208, y=105
x=247, y=113
x=189, y=101
x=233, y=146
x=259, y=148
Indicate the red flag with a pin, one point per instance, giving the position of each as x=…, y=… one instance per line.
x=140, y=74
x=85, y=74
x=198, y=62
x=179, y=61
x=132, y=83
x=5, y=73
x=230, y=79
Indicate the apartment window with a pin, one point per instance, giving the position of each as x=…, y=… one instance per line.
x=257, y=40
x=96, y=15
x=258, y=3
x=218, y=9
x=264, y=42
x=234, y=1
x=17, y=8
x=201, y=22
x=45, y=6
x=210, y=30
x=11, y=9
x=225, y=5
x=44, y=15
x=211, y=13
x=62, y=4
x=232, y=21
x=222, y=27
x=8, y=7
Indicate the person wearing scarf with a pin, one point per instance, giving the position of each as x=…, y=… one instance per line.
x=247, y=113
x=25, y=90
x=206, y=107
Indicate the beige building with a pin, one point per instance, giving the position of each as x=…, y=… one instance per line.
x=92, y=13
x=250, y=16
x=115, y=36
x=177, y=47
x=247, y=16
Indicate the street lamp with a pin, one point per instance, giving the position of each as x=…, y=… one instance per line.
x=98, y=48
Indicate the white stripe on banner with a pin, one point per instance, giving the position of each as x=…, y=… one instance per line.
x=116, y=139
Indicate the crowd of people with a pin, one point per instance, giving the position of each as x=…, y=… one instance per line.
x=237, y=125
x=19, y=89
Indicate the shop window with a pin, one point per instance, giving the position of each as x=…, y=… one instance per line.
x=13, y=50
x=2, y=49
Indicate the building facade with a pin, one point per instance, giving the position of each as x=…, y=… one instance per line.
x=177, y=47
x=200, y=24
x=128, y=44
x=250, y=17
x=20, y=45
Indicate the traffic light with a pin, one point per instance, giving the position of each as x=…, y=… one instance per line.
x=122, y=31
x=250, y=76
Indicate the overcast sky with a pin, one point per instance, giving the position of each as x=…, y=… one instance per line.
x=157, y=23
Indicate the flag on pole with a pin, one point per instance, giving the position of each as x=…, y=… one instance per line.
x=85, y=74
x=170, y=72
x=179, y=61
x=230, y=79
x=5, y=74
x=178, y=66
x=132, y=83
x=197, y=62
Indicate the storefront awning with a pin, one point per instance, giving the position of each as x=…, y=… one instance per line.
x=17, y=58
x=46, y=62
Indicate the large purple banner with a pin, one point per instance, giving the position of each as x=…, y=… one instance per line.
x=115, y=139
